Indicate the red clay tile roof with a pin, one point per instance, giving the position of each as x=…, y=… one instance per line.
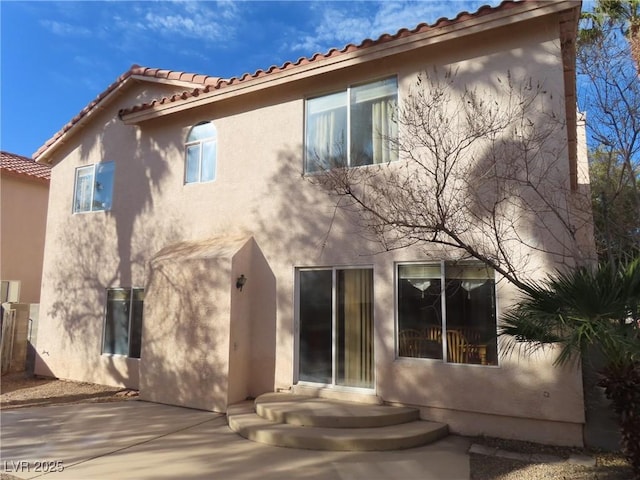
x=135, y=70
x=23, y=166
x=334, y=52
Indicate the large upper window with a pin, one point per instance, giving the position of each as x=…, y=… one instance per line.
x=457, y=322
x=93, y=187
x=123, y=322
x=201, y=153
x=353, y=127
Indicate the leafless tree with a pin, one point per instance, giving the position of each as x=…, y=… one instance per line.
x=610, y=93
x=481, y=174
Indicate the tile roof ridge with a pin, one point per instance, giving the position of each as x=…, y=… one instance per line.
x=332, y=52
x=195, y=78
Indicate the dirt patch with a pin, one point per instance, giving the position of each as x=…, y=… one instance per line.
x=19, y=391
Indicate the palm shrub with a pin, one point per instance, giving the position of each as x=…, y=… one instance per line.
x=589, y=308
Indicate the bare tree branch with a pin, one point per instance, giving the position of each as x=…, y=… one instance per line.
x=481, y=173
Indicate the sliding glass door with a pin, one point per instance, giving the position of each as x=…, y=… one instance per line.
x=336, y=326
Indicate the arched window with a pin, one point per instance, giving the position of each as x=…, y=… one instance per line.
x=200, y=149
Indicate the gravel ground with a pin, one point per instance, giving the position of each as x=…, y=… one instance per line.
x=17, y=391
x=609, y=466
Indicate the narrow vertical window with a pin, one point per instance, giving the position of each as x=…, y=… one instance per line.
x=420, y=311
x=326, y=133
x=201, y=153
x=336, y=326
x=123, y=322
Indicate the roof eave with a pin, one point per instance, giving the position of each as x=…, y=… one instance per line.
x=24, y=176
x=44, y=154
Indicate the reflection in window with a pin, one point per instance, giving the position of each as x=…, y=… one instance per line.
x=353, y=127
x=200, y=151
x=336, y=326
x=123, y=322
x=464, y=331
x=94, y=187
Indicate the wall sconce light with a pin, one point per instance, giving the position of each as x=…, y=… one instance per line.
x=240, y=282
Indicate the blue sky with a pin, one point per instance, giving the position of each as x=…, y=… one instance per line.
x=56, y=57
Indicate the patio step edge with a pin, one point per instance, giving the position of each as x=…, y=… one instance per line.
x=315, y=412
x=243, y=420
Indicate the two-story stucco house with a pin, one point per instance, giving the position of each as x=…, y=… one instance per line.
x=190, y=254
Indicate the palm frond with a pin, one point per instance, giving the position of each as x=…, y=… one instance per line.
x=577, y=310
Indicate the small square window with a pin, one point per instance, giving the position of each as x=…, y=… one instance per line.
x=94, y=188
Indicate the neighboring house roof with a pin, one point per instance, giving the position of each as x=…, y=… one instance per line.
x=23, y=166
x=136, y=72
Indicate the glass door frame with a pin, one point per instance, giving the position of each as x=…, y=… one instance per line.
x=334, y=301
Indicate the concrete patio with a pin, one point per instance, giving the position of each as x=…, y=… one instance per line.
x=140, y=440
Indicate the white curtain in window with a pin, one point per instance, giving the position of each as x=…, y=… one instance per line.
x=325, y=144
x=84, y=189
x=358, y=328
x=384, y=131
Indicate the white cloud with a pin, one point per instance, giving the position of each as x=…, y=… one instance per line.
x=210, y=21
x=65, y=29
x=343, y=23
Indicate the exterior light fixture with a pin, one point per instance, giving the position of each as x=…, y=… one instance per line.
x=240, y=282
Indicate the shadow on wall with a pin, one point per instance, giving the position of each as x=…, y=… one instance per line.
x=91, y=252
x=310, y=231
x=185, y=336
x=206, y=343
x=259, y=296
x=298, y=225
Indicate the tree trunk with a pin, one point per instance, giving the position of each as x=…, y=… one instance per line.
x=634, y=41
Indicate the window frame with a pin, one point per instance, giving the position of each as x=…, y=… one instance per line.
x=93, y=167
x=442, y=265
x=347, y=91
x=132, y=298
x=200, y=142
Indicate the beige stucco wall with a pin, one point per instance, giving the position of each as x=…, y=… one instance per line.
x=82, y=251
x=23, y=217
x=186, y=340
x=260, y=192
x=208, y=344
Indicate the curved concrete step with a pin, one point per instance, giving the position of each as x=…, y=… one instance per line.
x=244, y=421
x=317, y=412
